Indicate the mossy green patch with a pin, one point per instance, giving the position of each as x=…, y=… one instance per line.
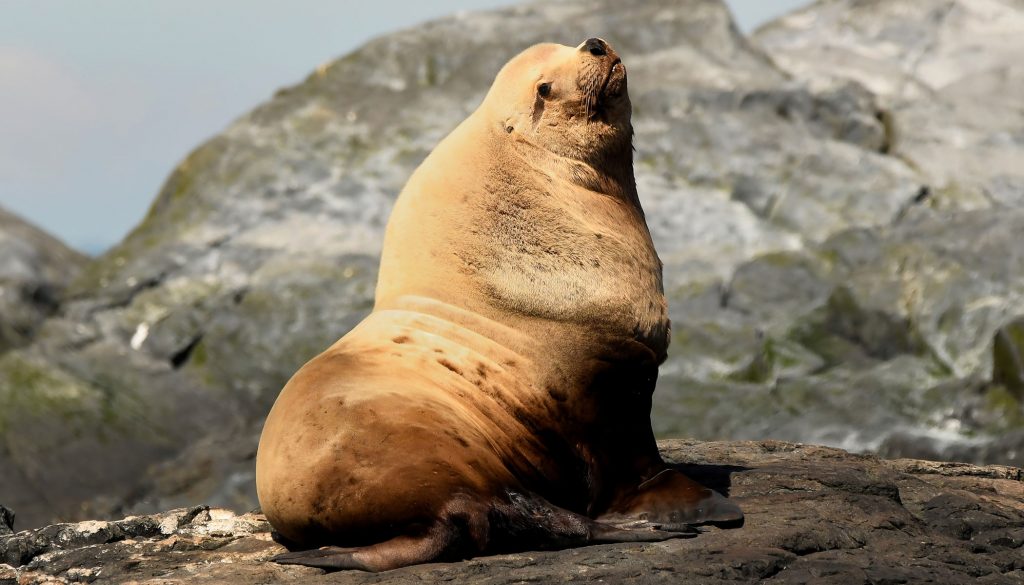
x=813, y=334
x=430, y=76
x=761, y=367
x=777, y=358
x=1008, y=358
x=1007, y=405
x=36, y=393
x=33, y=388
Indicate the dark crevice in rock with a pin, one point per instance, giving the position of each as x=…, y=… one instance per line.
x=923, y=194
x=885, y=118
x=774, y=569
x=181, y=356
x=121, y=298
x=6, y=521
x=239, y=295
x=44, y=296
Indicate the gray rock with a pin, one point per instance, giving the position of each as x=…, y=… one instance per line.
x=881, y=333
x=949, y=61
x=35, y=268
x=873, y=336
x=6, y=521
x=260, y=250
x=834, y=202
x=814, y=515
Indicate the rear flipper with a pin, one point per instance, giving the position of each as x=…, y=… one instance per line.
x=391, y=554
x=467, y=528
x=332, y=558
x=672, y=499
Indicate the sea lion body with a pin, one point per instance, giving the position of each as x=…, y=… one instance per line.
x=498, y=397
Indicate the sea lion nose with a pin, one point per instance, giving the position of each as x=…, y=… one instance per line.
x=596, y=46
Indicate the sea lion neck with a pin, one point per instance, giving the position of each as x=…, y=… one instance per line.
x=608, y=170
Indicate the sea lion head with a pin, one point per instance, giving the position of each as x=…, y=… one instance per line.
x=529, y=207
x=569, y=101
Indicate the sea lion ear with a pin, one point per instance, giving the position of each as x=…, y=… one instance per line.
x=508, y=126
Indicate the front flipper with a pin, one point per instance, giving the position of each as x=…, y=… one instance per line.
x=672, y=499
x=638, y=531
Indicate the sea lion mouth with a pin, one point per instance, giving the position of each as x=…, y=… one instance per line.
x=610, y=88
x=616, y=73
x=603, y=77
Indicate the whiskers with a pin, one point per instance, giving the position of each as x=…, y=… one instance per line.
x=591, y=81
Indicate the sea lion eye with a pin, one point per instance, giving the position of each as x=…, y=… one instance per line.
x=544, y=89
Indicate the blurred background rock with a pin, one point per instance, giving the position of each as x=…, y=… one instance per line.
x=837, y=199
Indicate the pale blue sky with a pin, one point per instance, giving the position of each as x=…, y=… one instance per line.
x=99, y=100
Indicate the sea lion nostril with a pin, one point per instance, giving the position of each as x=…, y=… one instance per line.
x=596, y=46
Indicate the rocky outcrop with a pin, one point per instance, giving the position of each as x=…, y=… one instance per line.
x=35, y=268
x=946, y=73
x=814, y=515
x=834, y=200
x=6, y=521
x=888, y=336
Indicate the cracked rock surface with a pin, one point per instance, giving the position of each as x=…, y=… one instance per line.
x=814, y=515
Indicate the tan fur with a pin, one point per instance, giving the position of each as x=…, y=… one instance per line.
x=517, y=330
x=543, y=220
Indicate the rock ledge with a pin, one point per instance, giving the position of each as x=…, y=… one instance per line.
x=814, y=515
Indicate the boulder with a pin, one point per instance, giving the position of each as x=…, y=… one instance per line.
x=35, y=269
x=6, y=521
x=954, y=61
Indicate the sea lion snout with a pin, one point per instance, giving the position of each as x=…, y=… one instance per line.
x=597, y=47
x=602, y=74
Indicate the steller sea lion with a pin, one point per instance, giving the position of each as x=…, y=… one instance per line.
x=498, y=397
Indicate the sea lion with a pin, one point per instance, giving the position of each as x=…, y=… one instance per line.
x=498, y=397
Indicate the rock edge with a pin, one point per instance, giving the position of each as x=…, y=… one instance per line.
x=814, y=514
